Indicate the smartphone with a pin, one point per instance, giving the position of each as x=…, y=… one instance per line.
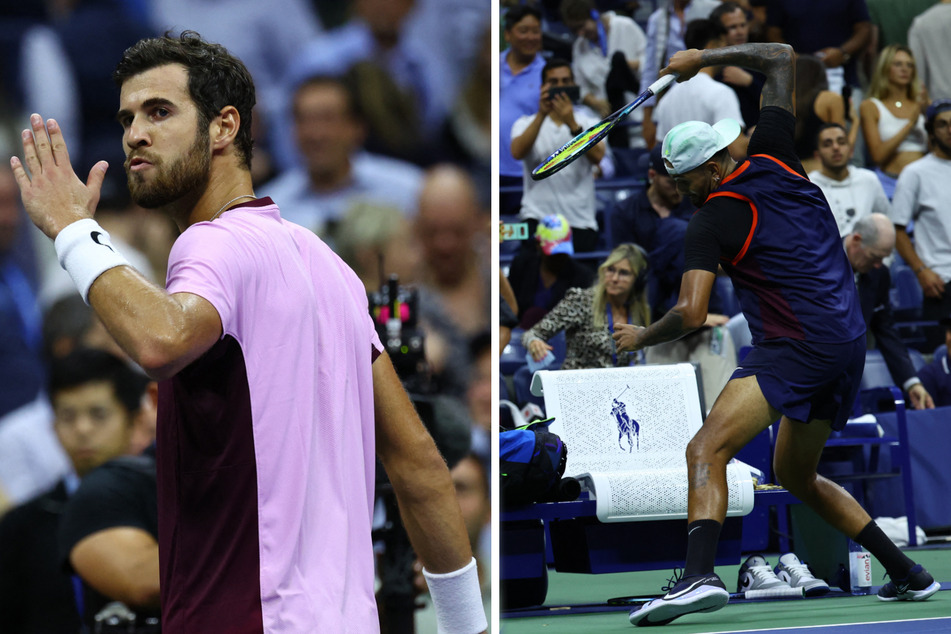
x=573, y=92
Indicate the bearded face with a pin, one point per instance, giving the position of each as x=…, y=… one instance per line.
x=170, y=178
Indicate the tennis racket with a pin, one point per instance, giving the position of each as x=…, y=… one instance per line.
x=573, y=149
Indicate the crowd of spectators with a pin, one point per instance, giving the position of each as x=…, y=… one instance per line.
x=372, y=128
x=871, y=131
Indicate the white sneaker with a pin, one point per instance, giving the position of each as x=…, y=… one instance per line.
x=797, y=575
x=756, y=574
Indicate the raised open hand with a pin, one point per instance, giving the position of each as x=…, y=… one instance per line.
x=52, y=193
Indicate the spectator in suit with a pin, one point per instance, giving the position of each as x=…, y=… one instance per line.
x=871, y=241
x=936, y=376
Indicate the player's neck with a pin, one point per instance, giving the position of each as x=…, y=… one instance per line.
x=222, y=193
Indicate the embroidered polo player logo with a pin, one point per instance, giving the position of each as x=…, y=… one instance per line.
x=627, y=427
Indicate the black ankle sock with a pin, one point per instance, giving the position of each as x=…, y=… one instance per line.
x=874, y=540
x=702, y=539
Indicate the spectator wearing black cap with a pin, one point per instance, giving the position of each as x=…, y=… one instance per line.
x=921, y=196
x=936, y=376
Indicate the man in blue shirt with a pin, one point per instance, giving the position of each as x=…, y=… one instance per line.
x=520, y=82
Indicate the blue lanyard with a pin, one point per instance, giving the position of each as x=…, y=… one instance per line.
x=602, y=35
x=80, y=602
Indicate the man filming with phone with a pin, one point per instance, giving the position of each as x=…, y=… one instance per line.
x=570, y=192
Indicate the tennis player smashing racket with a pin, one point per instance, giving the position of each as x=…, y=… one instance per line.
x=772, y=231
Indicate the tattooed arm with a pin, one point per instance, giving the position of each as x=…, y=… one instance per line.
x=776, y=61
x=688, y=315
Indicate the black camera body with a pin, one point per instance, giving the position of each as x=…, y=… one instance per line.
x=395, y=314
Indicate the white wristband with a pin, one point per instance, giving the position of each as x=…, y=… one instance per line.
x=457, y=599
x=85, y=251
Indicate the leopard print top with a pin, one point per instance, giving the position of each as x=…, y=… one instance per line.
x=585, y=346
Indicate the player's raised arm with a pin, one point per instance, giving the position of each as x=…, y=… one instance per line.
x=776, y=61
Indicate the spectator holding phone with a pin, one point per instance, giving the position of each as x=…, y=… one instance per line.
x=570, y=192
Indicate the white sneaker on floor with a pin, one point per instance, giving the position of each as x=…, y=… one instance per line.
x=797, y=575
x=756, y=574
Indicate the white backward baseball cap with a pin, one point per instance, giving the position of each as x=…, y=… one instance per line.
x=691, y=144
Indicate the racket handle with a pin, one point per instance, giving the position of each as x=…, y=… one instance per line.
x=775, y=593
x=662, y=83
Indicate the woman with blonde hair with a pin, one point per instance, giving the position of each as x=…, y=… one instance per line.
x=588, y=315
x=892, y=121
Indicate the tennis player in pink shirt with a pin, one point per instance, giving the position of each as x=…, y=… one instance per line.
x=275, y=396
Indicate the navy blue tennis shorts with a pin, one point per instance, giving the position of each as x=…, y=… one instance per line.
x=807, y=381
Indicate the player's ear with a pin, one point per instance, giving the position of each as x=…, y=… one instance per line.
x=224, y=128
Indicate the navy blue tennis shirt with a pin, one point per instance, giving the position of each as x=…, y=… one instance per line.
x=772, y=230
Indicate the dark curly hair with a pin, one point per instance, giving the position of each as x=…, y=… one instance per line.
x=216, y=78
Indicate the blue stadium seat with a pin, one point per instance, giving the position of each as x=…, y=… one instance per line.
x=905, y=294
x=917, y=359
x=940, y=351
x=878, y=394
x=876, y=373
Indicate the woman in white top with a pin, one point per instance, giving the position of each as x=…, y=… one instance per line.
x=892, y=120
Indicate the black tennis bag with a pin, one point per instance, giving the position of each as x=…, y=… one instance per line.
x=532, y=462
